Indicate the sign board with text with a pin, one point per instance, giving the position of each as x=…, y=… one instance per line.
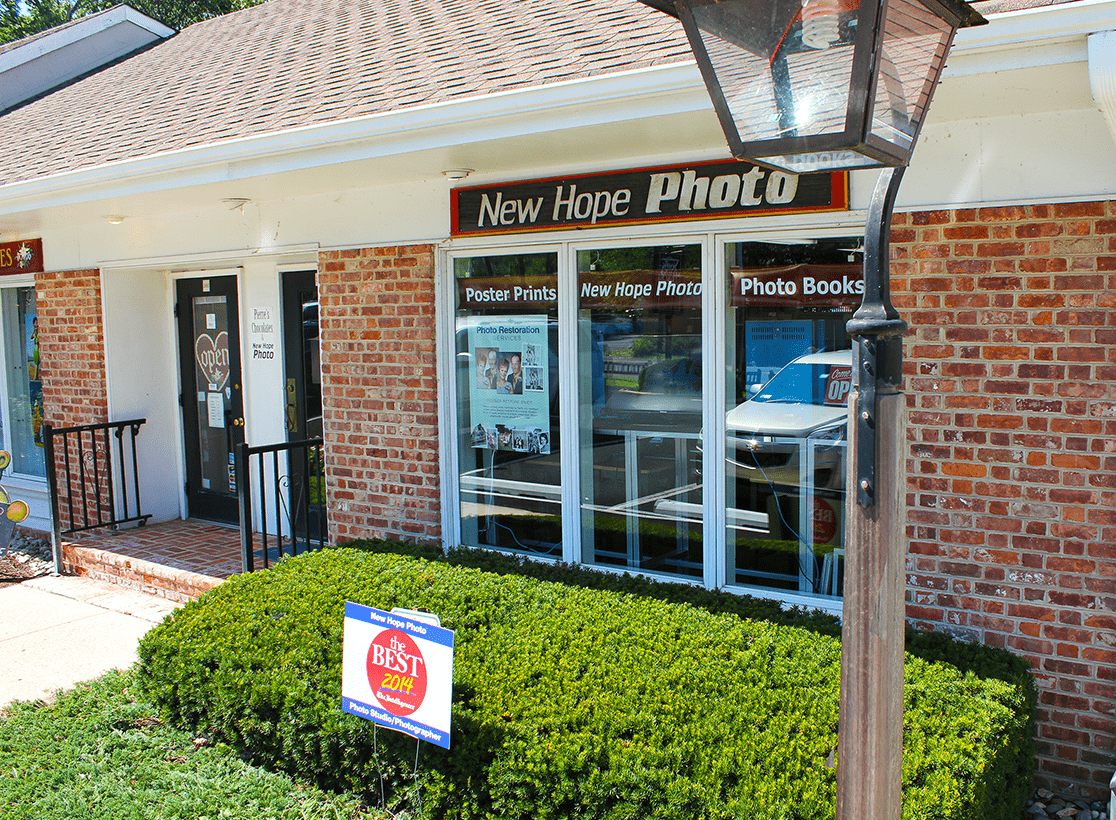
x=397, y=671
x=812, y=286
x=647, y=195
x=24, y=256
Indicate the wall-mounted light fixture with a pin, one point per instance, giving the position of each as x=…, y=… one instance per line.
x=457, y=173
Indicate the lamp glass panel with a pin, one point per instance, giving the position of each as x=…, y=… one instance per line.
x=818, y=161
x=774, y=84
x=912, y=52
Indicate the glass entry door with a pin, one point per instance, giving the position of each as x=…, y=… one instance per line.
x=212, y=403
x=302, y=395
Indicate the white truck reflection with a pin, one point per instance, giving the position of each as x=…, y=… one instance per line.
x=807, y=399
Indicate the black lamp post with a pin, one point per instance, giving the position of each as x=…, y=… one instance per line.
x=831, y=85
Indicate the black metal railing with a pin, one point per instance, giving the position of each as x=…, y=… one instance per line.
x=100, y=482
x=294, y=487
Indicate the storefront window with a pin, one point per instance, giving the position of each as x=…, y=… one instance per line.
x=640, y=374
x=24, y=383
x=506, y=345
x=742, y=488
x=788, y=381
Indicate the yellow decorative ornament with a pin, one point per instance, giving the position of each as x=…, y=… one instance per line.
x=12, y=511
x=18, y=511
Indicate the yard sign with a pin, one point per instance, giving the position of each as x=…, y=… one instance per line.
x=397, y=671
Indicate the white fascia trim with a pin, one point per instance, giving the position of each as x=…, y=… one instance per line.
x=1048, y=35
x=1017, y=39
x=1102, y=75
x=80, y=30
x=642, y=93
x=190, y=263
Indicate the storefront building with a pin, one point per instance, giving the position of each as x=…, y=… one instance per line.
x=497, y=257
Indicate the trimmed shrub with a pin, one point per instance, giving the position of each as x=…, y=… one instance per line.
x=983, y=661
x=568, y=702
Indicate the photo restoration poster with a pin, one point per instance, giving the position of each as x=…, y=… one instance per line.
x=509, y=390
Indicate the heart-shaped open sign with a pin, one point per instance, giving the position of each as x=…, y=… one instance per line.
x=212, y=356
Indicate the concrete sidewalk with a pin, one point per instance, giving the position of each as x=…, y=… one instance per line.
x=57, y=631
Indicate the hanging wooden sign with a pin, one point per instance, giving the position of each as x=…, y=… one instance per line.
x=24, y=256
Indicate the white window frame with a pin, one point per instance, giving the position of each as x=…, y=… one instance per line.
x=714, y=239
x=13, y=336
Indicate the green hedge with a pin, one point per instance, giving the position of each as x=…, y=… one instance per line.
x=983, y=661
x=568, y=702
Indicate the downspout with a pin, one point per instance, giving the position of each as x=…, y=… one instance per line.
x=1102, y=82
x=1102, y=75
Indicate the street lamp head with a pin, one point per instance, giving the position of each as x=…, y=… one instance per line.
x=821, y=85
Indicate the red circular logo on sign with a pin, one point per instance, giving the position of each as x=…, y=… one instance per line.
x=825, y=521
x=396, y=672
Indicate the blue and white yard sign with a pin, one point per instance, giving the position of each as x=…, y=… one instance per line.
x=397, y=671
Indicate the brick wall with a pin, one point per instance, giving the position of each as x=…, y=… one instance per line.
x=72, y=345
x=1011, y=386
x=380, y=392
x=72, y=366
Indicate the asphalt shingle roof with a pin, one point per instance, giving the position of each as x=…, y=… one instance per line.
x=290, y=63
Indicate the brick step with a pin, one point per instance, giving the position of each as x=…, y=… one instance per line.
x=172, y=583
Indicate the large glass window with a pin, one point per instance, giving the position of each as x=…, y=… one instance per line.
x=707, y=445
x=24, y=382
x=788, y=381
x=506, y=345
x=640, y=370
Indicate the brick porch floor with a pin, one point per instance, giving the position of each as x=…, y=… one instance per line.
x=177, y=559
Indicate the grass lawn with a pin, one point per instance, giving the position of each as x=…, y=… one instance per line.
x=97, y=753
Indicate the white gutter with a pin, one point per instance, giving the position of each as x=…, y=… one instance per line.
x=1102, y=75
x=1048, y=35
x=1032, y=37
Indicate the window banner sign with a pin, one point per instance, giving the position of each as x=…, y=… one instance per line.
x=802, y=286
x=701, y=190
x=509, y=389
x=397, y=671
x=516, y=292
x=24, y=256
x=821, y=286
x=640, y=290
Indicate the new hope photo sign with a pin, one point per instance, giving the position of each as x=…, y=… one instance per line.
x=397, y=671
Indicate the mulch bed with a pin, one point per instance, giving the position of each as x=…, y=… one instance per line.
x=12, y=570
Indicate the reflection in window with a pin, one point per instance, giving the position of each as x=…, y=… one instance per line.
x=639, y=350
x=506, y=345
x=24, y=381
x=790, y=373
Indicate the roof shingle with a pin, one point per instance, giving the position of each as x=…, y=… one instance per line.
x=291, y=63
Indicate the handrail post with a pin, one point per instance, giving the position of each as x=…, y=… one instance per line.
x=134, y=427
x=244, y=499
x=52, y=499
x=323, y=522
x=123, y=476
x=108, y=479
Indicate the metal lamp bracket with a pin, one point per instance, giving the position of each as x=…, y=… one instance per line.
x=877, y=330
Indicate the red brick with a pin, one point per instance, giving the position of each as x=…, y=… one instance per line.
x=1014, y=340
x=388, y=490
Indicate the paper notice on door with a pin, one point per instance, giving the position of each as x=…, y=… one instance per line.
x=216, y=404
